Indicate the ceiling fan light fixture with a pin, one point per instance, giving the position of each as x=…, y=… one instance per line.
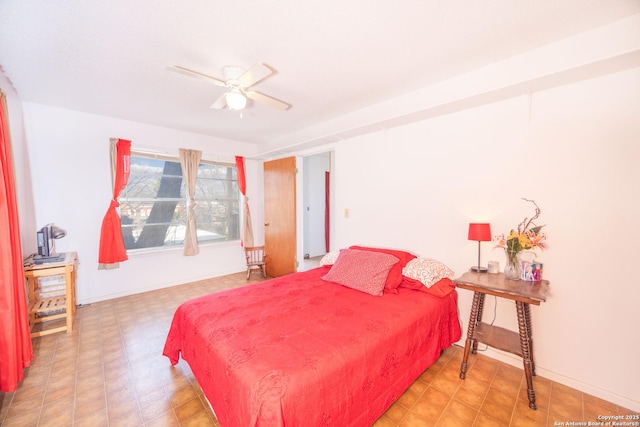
x=238, y=83
x=236, y=101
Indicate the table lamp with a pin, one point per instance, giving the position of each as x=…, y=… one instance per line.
x=480, y=232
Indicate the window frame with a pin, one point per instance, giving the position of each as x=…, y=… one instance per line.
x=235, y=204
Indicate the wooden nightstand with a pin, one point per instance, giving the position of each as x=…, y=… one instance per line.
x=524, y=294
x=51, y=291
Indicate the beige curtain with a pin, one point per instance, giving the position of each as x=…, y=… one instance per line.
x=247, y=231
x=190, y=160
x=246, y=226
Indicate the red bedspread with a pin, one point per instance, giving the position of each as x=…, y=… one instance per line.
x=297, y=350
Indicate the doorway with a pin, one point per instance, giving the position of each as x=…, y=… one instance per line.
x=317, y=209
x=289, y=195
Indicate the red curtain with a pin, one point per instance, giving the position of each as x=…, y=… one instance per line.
x=112, y=249
x=247, y=231
x=15, y=342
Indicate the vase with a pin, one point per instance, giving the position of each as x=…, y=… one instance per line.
x=512, y=265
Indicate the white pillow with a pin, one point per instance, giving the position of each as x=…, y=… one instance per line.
x=330, y=258
x=427, y=271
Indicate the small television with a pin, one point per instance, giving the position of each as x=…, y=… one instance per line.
x=46, y=237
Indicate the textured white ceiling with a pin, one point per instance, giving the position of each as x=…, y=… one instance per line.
x=332, y=57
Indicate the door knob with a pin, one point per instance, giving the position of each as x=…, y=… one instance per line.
x=266, y=224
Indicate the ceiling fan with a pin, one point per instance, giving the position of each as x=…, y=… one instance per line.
x=237, y=81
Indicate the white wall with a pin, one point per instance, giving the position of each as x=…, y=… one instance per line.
x=575, y=150
x=71, y=186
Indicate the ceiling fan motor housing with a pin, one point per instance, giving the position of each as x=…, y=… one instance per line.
x=232, y=74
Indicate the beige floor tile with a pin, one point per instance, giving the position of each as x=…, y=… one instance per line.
x=57, y=414
x=566, y=403
x=497, y=411
x=461, y=412
x=447, y=382
x=164, y=419
x=189, y=409
x=430, y=406
x=26, y=418
x=415, y=391
x=483, y=367
x=472, y=392
x=485, y=421
x=525, y=416
x=385, y=421
x=502, y=396
x=396, y=413
x=97, y=418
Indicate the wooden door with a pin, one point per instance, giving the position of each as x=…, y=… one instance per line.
x=280, y=216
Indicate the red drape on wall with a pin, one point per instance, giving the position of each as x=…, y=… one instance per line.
x=15, y=342
x=112, y=249
x=247, y=230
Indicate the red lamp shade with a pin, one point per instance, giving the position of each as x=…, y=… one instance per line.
x=480, y=232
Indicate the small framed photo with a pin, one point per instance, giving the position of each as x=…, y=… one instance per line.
x=531, y=271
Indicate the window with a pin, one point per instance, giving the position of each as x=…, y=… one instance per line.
x=153, y=204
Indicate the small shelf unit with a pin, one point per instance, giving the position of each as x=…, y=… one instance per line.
x=51, y=289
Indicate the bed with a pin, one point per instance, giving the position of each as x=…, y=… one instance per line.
x=306, y=349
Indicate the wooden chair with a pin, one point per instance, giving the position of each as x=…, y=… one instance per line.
x=255, y=260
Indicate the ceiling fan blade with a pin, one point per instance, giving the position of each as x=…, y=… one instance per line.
x=220, y=102
x=254, y=74
x=260, y=97
x=192, y=73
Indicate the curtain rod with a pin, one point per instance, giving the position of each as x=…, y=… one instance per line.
x=156, y=152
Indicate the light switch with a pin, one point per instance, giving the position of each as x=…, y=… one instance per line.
x=346, y=213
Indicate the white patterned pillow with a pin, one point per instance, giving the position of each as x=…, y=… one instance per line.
x=364, y=271
x=329, y=258
x=427, y=271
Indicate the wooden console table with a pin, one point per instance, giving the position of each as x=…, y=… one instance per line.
x=523, y=293
x=51, y=289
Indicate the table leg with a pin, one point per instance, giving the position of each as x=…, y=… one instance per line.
x=474, y=349
x=523, y=328
x=31, y=285
x=471, y=341
x=69, y=298
x=527, y=317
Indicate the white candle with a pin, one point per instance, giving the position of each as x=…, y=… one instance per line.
x=493, y=267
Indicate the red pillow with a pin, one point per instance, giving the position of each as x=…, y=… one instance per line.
x=395, y=275
x=364, y=271
x=441, y=288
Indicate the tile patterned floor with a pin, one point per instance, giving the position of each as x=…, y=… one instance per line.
x=110, y=372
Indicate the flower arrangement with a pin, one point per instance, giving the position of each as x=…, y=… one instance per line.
x=527, y=236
